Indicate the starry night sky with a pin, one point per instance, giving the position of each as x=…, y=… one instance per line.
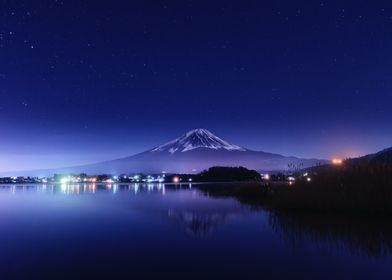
x=84, y=81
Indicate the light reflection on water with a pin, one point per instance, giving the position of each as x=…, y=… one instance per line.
x=92, y=188
x=112, y=230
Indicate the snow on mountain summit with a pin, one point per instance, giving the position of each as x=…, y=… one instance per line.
x=197, y=138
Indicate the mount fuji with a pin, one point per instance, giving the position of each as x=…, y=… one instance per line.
x=194, y=139
x=192, y=152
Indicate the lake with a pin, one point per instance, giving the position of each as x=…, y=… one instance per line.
x=155, y=231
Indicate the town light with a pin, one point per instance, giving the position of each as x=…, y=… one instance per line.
x=337, y=161
x=176, y=179
x=64, y=180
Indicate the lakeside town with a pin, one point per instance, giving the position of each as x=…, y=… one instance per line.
x=243, y=174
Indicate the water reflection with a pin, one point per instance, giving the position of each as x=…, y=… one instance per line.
x=199, y=223
x=193, y=213
x=201, y=216
x=92, y=188
x=360, y=235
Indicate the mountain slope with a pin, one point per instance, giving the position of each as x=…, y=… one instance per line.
x=384, y=156
x=193, y=152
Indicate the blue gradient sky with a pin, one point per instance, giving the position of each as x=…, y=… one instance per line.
x=84, y=81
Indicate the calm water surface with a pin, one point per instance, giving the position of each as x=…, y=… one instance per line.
x=171, y=232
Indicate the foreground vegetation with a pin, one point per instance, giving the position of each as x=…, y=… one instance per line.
x=349, y=188
x=341, y=207
x=354, y=188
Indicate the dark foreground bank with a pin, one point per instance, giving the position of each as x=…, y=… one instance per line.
x=352, y=188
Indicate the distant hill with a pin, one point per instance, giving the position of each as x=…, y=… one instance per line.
x=193, y=152
x=384, y=156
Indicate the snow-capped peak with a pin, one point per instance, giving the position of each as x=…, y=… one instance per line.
x=197, y=138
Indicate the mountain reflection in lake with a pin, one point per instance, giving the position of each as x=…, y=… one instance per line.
x=124, y=231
